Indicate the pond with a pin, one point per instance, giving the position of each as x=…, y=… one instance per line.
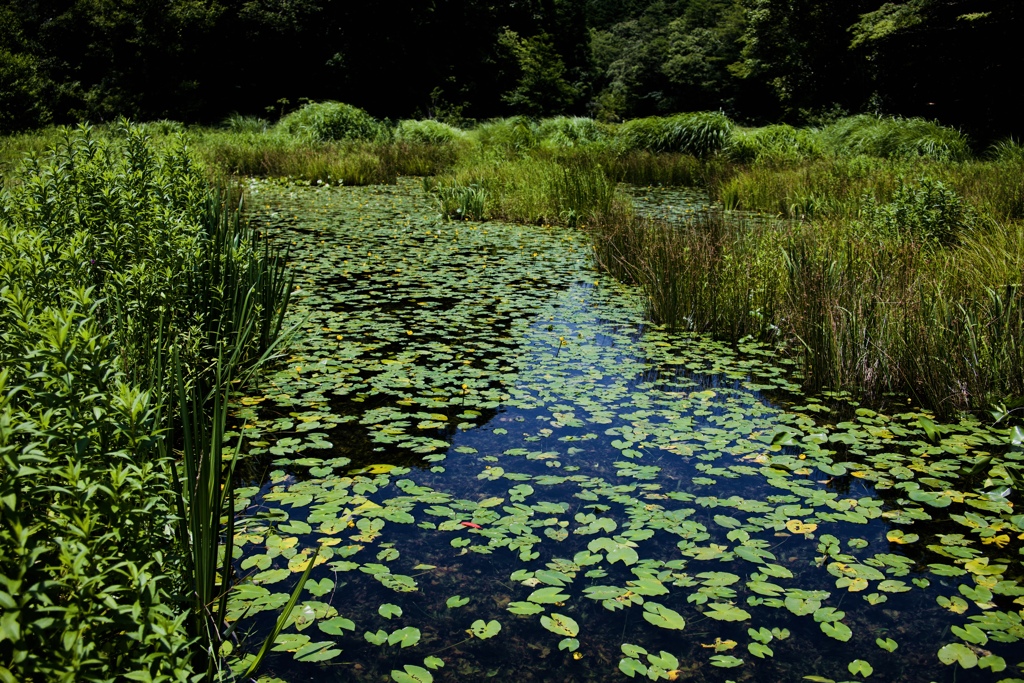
x=505, y=472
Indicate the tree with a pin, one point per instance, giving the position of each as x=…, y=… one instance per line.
x=799, y=50
x=952, y=60
x=541, y=88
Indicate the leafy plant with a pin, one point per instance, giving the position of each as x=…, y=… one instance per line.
x=333, y=121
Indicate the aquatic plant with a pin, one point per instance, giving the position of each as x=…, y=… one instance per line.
x=333, y=121
x=895, y=137
x=699, y=133
x=512, y=471
x=427, y=131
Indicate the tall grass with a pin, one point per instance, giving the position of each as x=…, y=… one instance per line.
x=130, y=297
x=277, y=154
x=700, y=133
x=333, y=121
x=862, y=309
x=539, y=188
x=895, y=137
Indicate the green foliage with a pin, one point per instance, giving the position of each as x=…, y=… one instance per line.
x=541, y=87
x=895, y=138
x=113, y=255
x=700, y=134
x=572, y=131
x=1008, y=149
x=280, y=155
x=333, y=121
x=774, y=145
x=924, y=210
x=236, y=123
x=427, y=131
x=459, y=202
x=515, y=134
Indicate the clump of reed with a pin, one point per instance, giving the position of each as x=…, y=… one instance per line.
x=777, y=145
x=896, y=137
x=863, y=308
x=699, y=133
x=573, y=131
x=277, y=154
x=538, y=188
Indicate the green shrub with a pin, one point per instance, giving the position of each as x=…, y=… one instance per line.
x=114, y=258
x=699, y=133
x=774, y=145
x=896, y=137
x=514, y=135
x=236, y=123
x=331, y=121
x=925, y=210
x=427, y=131
x=571, y=131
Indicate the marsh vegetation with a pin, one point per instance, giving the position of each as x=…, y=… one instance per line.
x=673, y=398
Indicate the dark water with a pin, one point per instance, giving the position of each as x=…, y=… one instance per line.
x=483, y=374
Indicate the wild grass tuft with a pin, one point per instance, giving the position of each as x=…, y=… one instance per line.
x=428, y=131
x=700, y=134
x=333, y=121
x=778, y=145
x=896, y=138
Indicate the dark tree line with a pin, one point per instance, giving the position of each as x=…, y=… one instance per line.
x=757, y=60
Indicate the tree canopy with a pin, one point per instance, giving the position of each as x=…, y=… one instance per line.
x=756, y=60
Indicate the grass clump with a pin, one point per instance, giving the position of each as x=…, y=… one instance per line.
x=506, y=137
x=333, y=121
x=539, y=188
x=572, y=131
x=777, y=145
x=699, y=133
x=896, y=138
x=428, y=132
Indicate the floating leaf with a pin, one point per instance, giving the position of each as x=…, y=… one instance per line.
x=859, y=667
x=406, y=637
x=412, y=674
x=387, y=610
x=548, y=595
x=726, y=661
x=726, y=612
x=336, y=626
x=560, y=624
x=524, y=608
x=958, y=653
x=484, y=630
x=632, y=667
x=837, y=630
x=888, y=644
x=456, y=601
x=662, y=616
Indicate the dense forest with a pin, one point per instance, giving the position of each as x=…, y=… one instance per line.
x=799, y=61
